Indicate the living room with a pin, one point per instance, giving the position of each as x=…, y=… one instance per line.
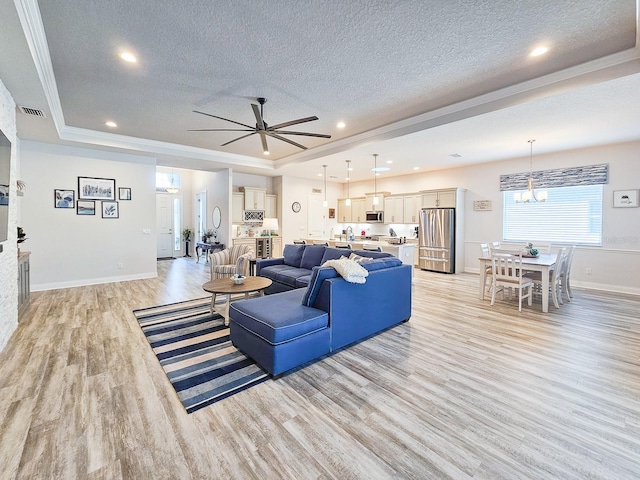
x=406, y=397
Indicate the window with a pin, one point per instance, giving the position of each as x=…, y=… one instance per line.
x=165, y=180
x=569, y=215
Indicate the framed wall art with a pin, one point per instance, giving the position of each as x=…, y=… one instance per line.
x=124, y=193
x=90, y=188
x=110, y=210
x=625, y=198
x=64, y=198
x=86, y=207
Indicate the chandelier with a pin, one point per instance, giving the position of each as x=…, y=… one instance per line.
x=530, y=194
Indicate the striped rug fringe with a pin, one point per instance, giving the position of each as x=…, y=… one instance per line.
x=195, y=351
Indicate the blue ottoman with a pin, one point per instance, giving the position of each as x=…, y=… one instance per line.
x=278, y=331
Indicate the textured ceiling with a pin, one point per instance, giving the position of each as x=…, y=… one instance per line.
x=368, y=63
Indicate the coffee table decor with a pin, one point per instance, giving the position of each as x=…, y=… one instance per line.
x=193, y=347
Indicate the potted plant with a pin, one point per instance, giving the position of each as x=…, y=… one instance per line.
x=186, y=236
x=208, y=235
x=21, y=237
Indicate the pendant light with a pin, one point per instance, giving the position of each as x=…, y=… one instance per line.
x=375, y=183
x=325, y=203
x=348, y=200
x=530, y=194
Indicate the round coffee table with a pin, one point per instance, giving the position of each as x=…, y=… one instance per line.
x=224, y=286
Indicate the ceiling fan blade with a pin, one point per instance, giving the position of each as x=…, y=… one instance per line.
x=292, y=122
x=221, y=130
x=222, y=118
x=274, y=135
x=263, y=139
x=307, y=134
x=239, y=138
x=256, y=112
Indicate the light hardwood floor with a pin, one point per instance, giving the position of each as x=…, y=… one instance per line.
x=463, y=390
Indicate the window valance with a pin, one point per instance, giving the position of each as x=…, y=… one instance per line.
x=559, y=177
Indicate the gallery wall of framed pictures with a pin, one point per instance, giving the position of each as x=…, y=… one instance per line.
x=93, y=192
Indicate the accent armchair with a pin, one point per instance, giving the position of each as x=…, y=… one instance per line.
x=230, y=261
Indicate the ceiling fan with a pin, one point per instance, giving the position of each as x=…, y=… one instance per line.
x=262, y=128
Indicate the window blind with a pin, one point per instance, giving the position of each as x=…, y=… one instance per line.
x=571, y=215
x=559, y=177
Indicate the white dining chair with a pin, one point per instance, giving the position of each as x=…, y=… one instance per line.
x=506, y=272
x=565, y=274
x=554, y=279
x=486, y=253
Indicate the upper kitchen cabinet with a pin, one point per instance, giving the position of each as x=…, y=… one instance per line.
x=394, y=209
x=411, y=208
x=237, y=205
x=370, y=206
x=439, y=198
x=358, y=210
x=271, y=206
x=344, y=211
x=254, y=198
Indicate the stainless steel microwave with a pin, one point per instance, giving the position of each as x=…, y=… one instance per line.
x=374, y=217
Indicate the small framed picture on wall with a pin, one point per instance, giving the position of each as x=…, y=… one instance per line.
x=86, y=207
x=110, y=210
x=625, y=198
x=124, y=193
x=64, y=198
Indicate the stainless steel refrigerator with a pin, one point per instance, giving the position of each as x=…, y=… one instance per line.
x=436, y=239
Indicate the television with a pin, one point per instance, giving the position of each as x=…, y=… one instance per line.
x=5, y=163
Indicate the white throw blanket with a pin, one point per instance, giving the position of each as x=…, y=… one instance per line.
x=350, y=270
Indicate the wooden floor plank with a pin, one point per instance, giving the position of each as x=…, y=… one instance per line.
x=463, y=390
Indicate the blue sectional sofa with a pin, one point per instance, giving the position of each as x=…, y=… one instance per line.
x=294, y=268
x=285, y=330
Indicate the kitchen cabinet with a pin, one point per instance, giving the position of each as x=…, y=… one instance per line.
x=344, y=211
x=254, y=198
x=237, y=205
x=439, y=198
x=394, y=209
x=24, y=281
x=358, y=210
x=263, y=247
x=411, y=208
x=370, y=207
x=271, y=206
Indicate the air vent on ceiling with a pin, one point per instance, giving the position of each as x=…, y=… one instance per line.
x=32, y=111
x=455, y=155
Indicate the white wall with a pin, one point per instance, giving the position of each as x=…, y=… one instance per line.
x=9, y=255
x=71, y=250
x=614, y=265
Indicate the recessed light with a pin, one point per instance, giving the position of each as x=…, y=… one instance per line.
x=389, y=161
x=536, y=52
x=380, y=169
x=111, y=124
x=266, y=152
x=319, y=174
x=128, y=57
x=416, y=168
x=341, y=125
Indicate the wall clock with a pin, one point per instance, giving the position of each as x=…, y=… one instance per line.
x=295, y=206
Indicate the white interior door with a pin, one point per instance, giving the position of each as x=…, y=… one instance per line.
x=316, y=217
x=164, y=222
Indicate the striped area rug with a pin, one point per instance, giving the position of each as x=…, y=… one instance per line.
x=194, y=349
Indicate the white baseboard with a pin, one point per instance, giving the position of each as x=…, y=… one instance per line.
x=91, y=281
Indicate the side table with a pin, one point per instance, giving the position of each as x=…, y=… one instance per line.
x=206, y=247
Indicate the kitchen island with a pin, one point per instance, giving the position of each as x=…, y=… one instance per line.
x=404, y=251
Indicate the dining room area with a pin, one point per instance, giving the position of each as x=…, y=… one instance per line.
x=528, y=271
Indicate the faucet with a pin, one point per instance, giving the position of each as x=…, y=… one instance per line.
x=349, y=231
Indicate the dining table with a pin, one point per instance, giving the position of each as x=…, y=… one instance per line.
x=543, y=263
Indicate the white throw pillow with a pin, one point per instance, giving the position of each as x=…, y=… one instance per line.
x=359, y=259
